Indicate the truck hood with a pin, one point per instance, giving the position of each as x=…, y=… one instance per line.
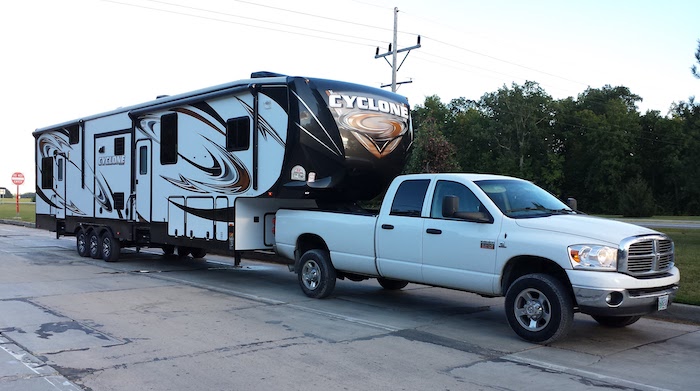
x=596, y=228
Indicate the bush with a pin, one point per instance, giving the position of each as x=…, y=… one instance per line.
x=636, y=199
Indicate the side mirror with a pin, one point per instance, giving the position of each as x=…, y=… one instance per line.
x=571, y=202
x=450, y=205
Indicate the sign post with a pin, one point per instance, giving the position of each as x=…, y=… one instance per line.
x=17, y=179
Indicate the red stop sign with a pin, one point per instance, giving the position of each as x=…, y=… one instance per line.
x=18, y=178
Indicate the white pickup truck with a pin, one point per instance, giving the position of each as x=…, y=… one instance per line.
x=492, y=235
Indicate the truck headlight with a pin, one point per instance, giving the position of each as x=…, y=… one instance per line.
x=593, y=257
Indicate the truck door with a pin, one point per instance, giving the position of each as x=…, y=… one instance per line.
x=458, y=251
x=399, y=234
x=144, y=180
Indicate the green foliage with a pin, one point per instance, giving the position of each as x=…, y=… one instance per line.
x=585, y=147
x=636, y=199
x=694, y=68
x=687, y=247
x=432, y=151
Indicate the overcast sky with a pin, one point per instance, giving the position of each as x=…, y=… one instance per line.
x=65, y=59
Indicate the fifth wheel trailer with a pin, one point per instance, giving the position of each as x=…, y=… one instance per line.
x=207, y=170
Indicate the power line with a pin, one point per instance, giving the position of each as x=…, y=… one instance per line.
x=247, y=24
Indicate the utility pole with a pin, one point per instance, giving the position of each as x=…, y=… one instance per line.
x=393, y=51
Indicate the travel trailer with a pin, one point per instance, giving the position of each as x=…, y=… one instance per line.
x=207, y=170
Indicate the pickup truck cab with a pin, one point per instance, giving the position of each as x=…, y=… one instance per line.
x=492, y=235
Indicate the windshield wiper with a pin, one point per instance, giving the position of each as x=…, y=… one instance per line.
x=541, y=208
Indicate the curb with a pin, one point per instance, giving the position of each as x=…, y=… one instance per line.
x=680, y=313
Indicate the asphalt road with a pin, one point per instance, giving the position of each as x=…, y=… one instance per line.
x=155, y=323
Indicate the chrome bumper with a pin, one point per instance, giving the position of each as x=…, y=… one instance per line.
x=622, y=302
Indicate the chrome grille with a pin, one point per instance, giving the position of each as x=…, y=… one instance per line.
x=646, y=255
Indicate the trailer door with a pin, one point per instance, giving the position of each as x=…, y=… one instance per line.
x=144, y=180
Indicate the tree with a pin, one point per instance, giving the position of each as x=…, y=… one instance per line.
x=520, y=125
x=432, y=152
x=694, y=68
x=599, y=132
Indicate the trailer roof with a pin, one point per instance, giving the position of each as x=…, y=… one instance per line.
x=268, y=78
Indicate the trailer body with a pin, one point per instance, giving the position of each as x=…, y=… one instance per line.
x=207, y=170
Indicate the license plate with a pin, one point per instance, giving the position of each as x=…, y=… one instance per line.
x=663, y=302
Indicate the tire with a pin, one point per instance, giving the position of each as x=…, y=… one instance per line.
x=168, y=250
x=316, y=274
x=110, y=247
x=183, y=251
x=391, y=285
x=539, y=308
x=615, y=321
x=82, y=243
x=198, y=253
x=94, y=245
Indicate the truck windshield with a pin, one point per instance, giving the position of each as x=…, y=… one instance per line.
x=522, y=199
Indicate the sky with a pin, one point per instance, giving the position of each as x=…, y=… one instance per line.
x=62, y=60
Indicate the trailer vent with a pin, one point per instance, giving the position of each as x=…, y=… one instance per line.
x=118, y=201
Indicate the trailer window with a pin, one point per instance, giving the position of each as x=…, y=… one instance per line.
x=238, y=134
x=60, y=170
x=168, y=139
x=47, y=173
x=409, y=197
x=143, y=160
x=73, y=134
x=119, y=146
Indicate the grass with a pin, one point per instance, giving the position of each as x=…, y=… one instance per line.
x=687, y=244
x=8, y=210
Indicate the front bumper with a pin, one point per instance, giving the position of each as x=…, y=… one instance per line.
x=622, y=295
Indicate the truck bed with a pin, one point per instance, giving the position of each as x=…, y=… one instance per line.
x=357, y=254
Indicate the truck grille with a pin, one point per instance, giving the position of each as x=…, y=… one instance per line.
x=646, y=255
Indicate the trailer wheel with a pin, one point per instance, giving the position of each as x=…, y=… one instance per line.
x=183, y=251
x=539, y=308
x=110, y=247
x=391, y=285
x=316, y=274
x=94, y=245
x=168, y=250
x=198, y=253
x=82, y=243
x=615, y=321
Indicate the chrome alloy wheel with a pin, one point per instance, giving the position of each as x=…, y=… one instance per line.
x=532, y=309
x=311, y=275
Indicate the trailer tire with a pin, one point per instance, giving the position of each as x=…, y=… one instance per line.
x=183, y=251
x=316, y=274
x=198, y=253
x=615, y=321
x=539, y=308
x=82, y=243
x=391, y=285
x=110, y=247
x=94, y=245
x=168, y=250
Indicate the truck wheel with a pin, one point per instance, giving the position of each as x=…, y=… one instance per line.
x=199, y=253
x=82, y=243
x=316, y=274
x=391, y=285
x=539, y=308
x=615, y=321
x=94, y=245
x=110, y=247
